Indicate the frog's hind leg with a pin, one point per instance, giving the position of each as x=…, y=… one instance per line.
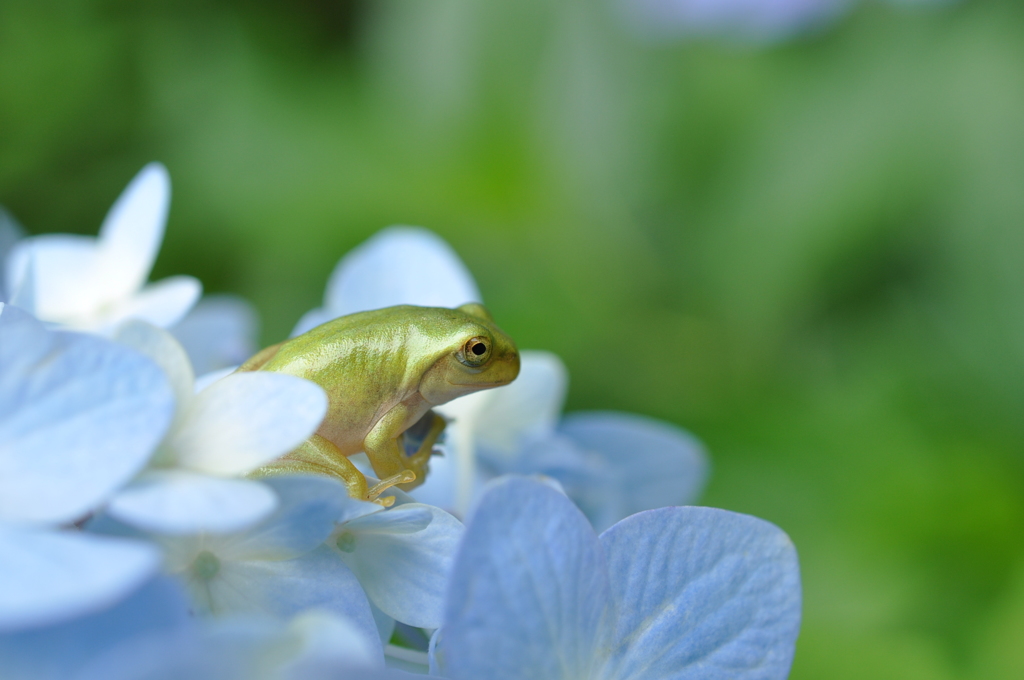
x=319, y=456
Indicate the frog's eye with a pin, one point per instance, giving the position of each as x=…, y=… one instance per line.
x=476, y=351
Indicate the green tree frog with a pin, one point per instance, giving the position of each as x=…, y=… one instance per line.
x=383, y=370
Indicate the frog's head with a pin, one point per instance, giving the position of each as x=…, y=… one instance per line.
x=479, y=356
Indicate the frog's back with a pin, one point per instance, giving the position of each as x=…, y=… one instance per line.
x=367, y=362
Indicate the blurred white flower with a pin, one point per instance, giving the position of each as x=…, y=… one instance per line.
x=401, y=555
x=228, y=429
x=220, y=331
x=397, y=266
x=94, y=283
x=79, y=416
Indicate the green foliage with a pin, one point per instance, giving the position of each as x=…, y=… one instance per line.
x=809, y=255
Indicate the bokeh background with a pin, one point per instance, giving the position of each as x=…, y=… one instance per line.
x=806, y=249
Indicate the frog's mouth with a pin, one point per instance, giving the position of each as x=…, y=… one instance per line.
x=479, y=385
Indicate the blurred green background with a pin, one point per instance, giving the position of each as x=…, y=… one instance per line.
x=809, y=254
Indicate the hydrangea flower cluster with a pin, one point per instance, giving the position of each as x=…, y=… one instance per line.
x=132, y=544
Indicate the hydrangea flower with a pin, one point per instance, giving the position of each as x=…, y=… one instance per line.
x=678, y=592
x=278, y=568
x=610, y=464
x=93, y=284
x=79, y=416
x=228, y=429
x=401, y=555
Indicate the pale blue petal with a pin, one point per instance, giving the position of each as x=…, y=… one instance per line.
x=354, y=508
x=404, y=519
x=285, y=588
x=220, y=331
x=385, y=624
x=403, y=557
x=171, y=502
x=529, y=595
x=245, y=420
x=703, y=594
x=307, y=508
x=79, y=416
x=49, y=576
x=313, y=645
x=400, y=266
x=330, y=641
x=645, y=463
x=57, y=652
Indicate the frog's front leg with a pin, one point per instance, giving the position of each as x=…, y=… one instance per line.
x=383, y=447
x=427, y=429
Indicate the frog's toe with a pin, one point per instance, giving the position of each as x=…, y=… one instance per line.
x=403, y=477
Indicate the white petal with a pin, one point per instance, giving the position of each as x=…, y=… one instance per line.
x=725, y=601
x=162, y=304
x=50, y=576
x=647, y=463
x=526, y=409
x=460, y=472
x=184, y=503
x=311, y=320
x=529, y=595
x=207, y=379
x=169, y=355
x=400, y=266
x=220, y=331
x=79, y=416
x=246, y=420
x=64, y=276
x=403, y=557
x=132, y=232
